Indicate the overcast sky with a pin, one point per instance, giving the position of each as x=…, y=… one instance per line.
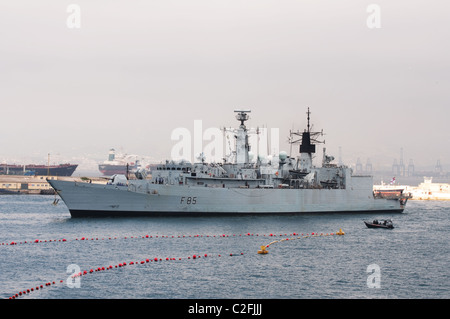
x=136, y=70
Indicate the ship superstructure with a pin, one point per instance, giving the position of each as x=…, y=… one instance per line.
x=294, y=185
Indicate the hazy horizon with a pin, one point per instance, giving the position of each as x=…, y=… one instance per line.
x=136, y=70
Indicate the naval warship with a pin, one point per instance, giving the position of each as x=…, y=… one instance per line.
x=239, y=186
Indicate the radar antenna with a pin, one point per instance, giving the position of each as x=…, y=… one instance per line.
x=308, y=113
x=306, y=139
x=242, y=116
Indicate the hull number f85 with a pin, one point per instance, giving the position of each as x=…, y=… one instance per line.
x=188, y=200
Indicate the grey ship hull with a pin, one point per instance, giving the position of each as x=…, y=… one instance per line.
x=141, y=198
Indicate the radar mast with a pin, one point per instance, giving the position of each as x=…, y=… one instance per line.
x=242, y=144
x=307, y=140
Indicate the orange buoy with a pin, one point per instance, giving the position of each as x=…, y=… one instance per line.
x=263, y=250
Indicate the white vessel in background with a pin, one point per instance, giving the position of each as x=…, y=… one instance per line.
x=113, y=165
x=238, y=187
x=427, y=190
x=122, y=164
x=431, y=191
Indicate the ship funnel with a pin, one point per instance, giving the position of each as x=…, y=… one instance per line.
x=111, y=155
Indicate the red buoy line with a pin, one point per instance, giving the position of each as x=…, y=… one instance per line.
x=156, y=259
x=12, y=243
x=303, y=236
x=86, y=238
x=119, y=265
x=313, y=234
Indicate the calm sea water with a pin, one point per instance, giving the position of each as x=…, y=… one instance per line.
x=411, y=261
